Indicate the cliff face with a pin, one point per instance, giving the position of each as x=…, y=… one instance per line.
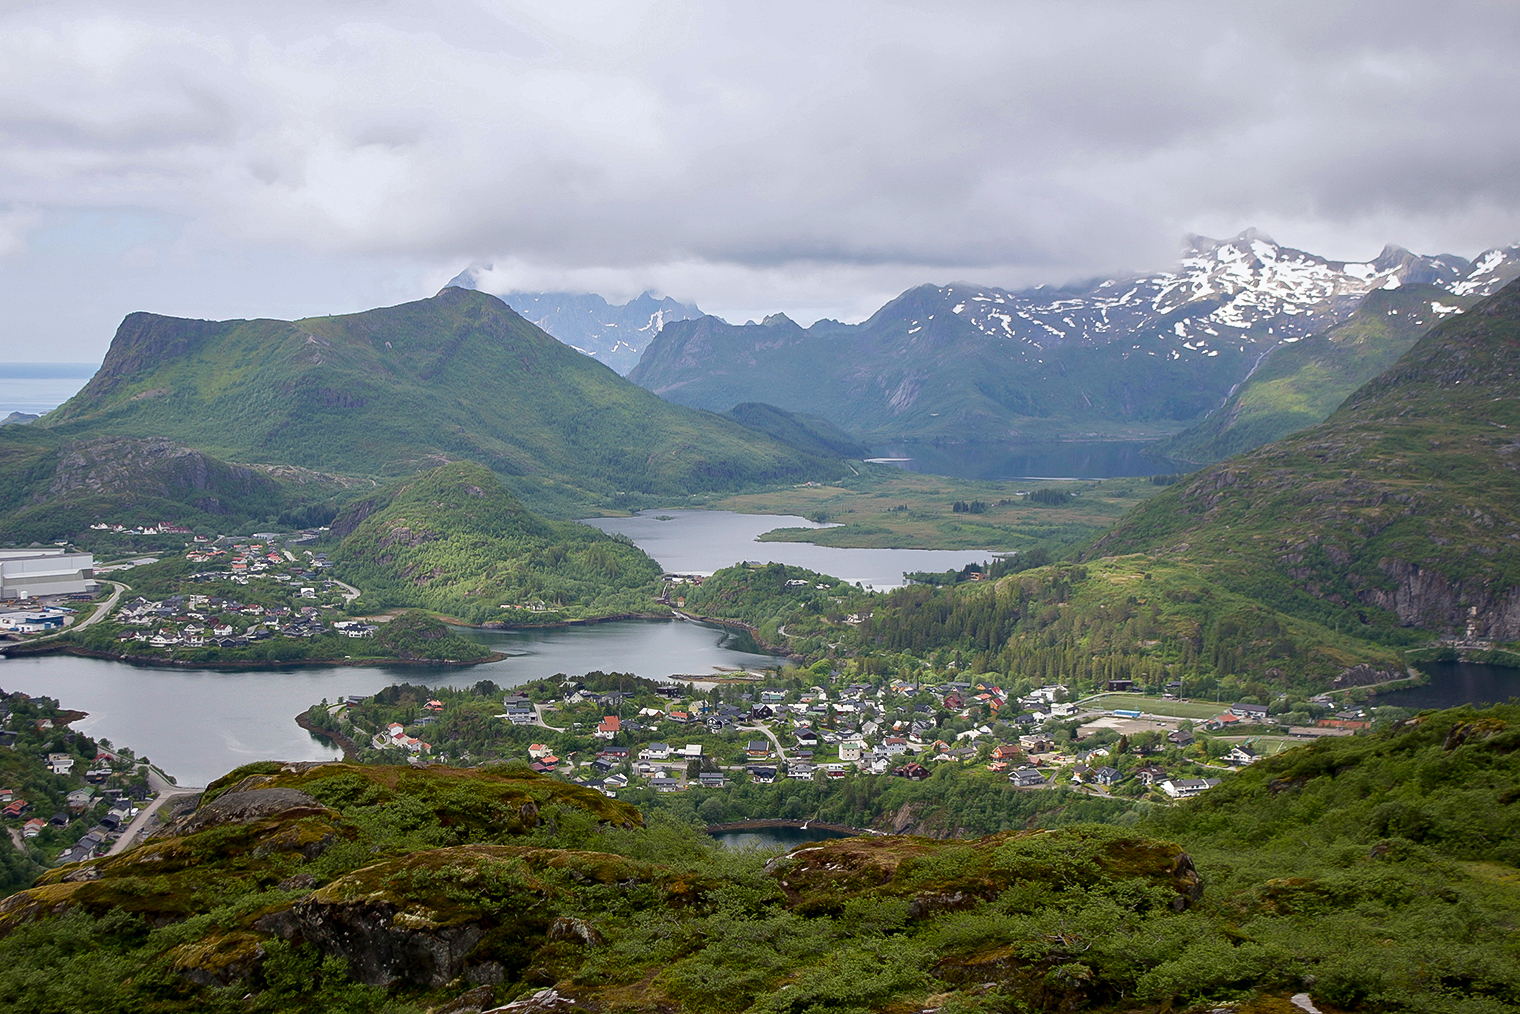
x=1427, y=599
x=143, y=342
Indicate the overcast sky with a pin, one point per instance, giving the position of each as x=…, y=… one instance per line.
x=319, y=157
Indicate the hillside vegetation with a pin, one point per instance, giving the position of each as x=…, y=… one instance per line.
x=1374, y=874
x=1129, y=618
x=391, y=391
x=455, y=540
x=51, y=488
x=1401, y=510
x=1300, y=384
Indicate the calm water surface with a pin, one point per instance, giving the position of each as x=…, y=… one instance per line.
x=1453, y=684
x=1099, y=459
x=197, y=724
x=701, y=542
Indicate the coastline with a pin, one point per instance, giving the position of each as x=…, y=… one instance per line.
x=498, y=626
x=348, y=746
x=154, y=661
x=753, y=632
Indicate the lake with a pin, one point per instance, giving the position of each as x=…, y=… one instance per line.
x=198, y=724
x=701, y=542
x=1097, y=459
x=1453, y=684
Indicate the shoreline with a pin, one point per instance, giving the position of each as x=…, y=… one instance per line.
x=753, y=632
x=153, y=661
x=349, y=747
x=498, y=626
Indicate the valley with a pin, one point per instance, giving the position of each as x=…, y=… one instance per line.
x=1173, y=678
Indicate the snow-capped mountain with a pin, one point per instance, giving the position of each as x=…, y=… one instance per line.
x=615, y=334
x=1137, y=355
x=1246, y=289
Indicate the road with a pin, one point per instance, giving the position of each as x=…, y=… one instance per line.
x=94, y=618
x=780, y=750
x=349, y=591
x=538, y=713
x=166, y=791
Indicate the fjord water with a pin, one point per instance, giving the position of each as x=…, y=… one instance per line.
x=701, y=542
x=1453, y=684
x=1073, y=459
x=197, y=724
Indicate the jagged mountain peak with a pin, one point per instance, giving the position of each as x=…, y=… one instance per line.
x=614, y=333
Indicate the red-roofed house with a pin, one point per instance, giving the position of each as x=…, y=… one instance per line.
x=608, y=728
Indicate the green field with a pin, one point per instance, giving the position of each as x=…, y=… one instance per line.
x=1156, y=706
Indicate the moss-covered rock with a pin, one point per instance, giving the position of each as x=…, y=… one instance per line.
x=937, y=875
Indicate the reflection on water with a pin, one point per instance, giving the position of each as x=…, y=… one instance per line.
x=701, y=542
x=1099, y=459
x=1453, y=684
x=774, y=837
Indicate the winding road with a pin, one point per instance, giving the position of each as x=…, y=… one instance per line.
x=780, y=750
x=94, y=618
x=166, y=791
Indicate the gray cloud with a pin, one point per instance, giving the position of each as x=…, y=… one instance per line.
x=808, y=157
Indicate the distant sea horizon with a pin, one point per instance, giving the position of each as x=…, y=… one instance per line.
x=37, y=388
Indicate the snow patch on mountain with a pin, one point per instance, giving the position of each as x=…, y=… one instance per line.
x=1248, y=291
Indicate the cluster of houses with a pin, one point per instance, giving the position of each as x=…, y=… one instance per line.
x=113, y=808
x=161, y=528
x=896, y=728
x=394, y=735
x=208, y=620
x=829, y=733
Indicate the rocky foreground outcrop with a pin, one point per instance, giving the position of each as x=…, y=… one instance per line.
x=421, y=880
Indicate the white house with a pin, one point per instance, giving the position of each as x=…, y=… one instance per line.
x=1183, y=788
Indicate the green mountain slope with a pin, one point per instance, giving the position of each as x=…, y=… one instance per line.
x=1400, y=510
x=917, y=369
x=51, y=488
x=457, y=541
x=393, y=390
x=806, y=432
x=1300, y=384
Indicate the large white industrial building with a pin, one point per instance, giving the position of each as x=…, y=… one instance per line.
x=33, y=573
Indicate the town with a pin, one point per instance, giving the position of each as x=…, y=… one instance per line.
x=637, y=739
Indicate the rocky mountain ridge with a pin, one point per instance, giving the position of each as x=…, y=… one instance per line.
x=612, y=333
x=1133, y=356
